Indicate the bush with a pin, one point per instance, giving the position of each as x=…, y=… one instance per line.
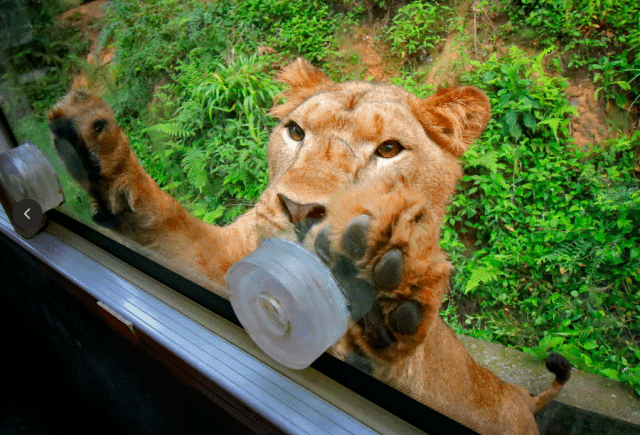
x=210, y=122
x=151, y=38
x=552, y=231
x=602, y=35
x=418, y=27
x=216, y=130
x=55, y=49
x=298, y=28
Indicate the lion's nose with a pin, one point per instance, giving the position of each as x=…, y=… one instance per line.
x=297, y=212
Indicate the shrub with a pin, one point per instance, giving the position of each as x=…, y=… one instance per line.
x=213, y=128
x=602, y=35
x=299, y=28
x=151, y=38
x=552, y=231
x=205, y=140
x=418, y=27
x=56, y=49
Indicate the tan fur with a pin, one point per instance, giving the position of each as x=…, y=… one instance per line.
x=336, y=167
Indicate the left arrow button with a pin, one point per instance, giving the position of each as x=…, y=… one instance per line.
x=27, y=214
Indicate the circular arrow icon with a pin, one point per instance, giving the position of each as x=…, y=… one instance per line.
x=27, y=214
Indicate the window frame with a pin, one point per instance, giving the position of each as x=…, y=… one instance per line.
x=234, y=379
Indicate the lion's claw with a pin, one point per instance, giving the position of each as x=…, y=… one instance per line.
x=106, y=219
x=359, y=292
x=345, y=272
x=322, y=245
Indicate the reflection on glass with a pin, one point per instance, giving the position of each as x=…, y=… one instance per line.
x=537, y=249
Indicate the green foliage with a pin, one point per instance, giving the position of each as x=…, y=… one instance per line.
x=603, y=35
x=204, y=136
x=300, y=28
x=413, y=82
x=552, y=231
x=418, y=27
x=152, y=37
x=214, y=128
x=55, y=49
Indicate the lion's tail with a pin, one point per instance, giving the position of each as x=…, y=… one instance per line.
x=559, y=366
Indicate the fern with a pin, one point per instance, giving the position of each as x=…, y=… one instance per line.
x=487, y=160
x=481, y=275
x=172, y=129
x=573, y=251
x=553, y=124
x=195, y=162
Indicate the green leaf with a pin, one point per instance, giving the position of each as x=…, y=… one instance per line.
x=488, y=160
x=212, y=216
x=553, y=123
x=510, y=124
x=611, y=373
x=599, y=236
x=623, y=85
x=481, y=275
x=550, y=342
x=529, y=120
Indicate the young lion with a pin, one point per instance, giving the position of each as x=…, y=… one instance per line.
x=363, y=173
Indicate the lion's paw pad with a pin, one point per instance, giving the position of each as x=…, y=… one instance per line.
x=355, y=278
x=406, y=318
x=387, y=274
x=354, y=237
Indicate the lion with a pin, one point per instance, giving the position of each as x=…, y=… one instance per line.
x=362, y=173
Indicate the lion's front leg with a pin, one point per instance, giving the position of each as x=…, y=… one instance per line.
x=390, y=239
x=125, y=198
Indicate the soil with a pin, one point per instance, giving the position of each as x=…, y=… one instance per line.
x=373, y=60
x=442, y=66
x=595, y=122
x=86, y=19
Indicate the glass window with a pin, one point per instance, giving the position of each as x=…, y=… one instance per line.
x=534, y=247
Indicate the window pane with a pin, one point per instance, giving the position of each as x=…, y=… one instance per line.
x=535, y=247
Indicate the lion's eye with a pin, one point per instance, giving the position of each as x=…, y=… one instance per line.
x=295, y=132
x=388, y=149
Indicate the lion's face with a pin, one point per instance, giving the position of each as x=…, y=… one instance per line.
x=334, y=135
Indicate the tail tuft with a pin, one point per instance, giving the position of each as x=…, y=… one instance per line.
x=559, y=366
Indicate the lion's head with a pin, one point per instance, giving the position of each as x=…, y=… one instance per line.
x=333, y=135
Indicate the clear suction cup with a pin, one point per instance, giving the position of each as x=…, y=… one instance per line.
x=28, y=182
x=288, y=302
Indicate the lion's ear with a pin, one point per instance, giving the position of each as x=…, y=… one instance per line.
x=304, y=80
x=453, y=117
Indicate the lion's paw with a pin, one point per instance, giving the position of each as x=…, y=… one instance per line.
x=380, y=238
x=95, y=151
